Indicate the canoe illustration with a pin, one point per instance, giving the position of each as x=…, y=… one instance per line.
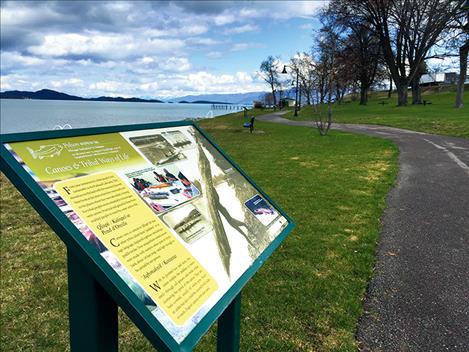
x=46, y=151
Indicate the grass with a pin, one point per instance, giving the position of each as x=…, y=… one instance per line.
x=307, y=297
x=438, y=118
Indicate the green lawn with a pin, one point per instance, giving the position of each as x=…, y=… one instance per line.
x=439, y=118
x=307, y=297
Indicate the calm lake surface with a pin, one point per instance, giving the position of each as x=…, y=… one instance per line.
x=37, y=115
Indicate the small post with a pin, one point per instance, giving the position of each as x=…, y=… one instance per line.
x=229, y=327
x=92, y=312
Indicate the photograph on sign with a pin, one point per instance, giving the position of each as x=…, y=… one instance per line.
x=166, y=210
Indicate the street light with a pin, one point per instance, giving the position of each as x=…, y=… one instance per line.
x=284, y=71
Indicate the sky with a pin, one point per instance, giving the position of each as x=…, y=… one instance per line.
x=149, y=48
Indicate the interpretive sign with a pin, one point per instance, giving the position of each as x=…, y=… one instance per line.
x=162, y=219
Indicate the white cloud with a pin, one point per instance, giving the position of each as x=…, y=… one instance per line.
x=150, y=87
x=183, y=30
x=241, y=29
x=68, y=83
x=146, y=60
x=104, y=45
x=136, y=48
x=175, y=64
x=203, y=41
x=204, y=82
x=11, y=59
x=214, y=54
x=282, y=9
x=108, y=86
x=244, y=46
x=307, y=26
x=23, y=15
x=19, y=82
x=170, y=85
x=223, y=19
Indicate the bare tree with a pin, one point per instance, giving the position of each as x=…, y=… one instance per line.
x=461, y=40
x=361, y=51
x=268, y=99
x=407, y=30
x=269, y=71
x=306, y=70
x=327, y=48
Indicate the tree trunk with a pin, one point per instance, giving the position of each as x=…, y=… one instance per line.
x=363, y=95
x=274, y=97
x=463, y=53
x=390, y=87
x=337, y=94
x=299, y=98
x=401, y=92
x=416, y=91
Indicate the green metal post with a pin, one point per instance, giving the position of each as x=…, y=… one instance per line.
x=229, y=327
x=92, y=312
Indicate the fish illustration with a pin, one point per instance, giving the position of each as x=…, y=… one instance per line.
x=46, y=151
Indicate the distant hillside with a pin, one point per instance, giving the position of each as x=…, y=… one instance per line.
x=204, y=102
x=236, y=98
x=48, y=94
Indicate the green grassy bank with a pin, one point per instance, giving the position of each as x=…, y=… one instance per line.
x=440, y=117
x=307, y=297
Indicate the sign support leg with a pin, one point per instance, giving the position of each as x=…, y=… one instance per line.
x=229, y=327
x=92, y=312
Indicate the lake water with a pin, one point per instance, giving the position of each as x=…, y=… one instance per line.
x=18, y=115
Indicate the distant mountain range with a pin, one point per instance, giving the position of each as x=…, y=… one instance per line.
x=236, y=98
x=48, y=94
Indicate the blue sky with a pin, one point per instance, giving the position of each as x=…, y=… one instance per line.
x=148, y=49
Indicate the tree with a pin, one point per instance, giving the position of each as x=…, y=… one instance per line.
x=328, y=47
x=461, y=40
x=361, y=53
x=270, y=74
x=306, y=70
x=268, y=99
x=407, y=29
x=463, y=56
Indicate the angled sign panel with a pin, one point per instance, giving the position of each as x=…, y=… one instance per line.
x=163, y=219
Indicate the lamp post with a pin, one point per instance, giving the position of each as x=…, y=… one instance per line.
x=297, y=85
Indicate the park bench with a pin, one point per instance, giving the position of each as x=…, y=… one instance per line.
x=383, y=102
x=427, y=102
x=250, y=124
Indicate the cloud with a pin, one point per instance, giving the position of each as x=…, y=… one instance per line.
x=205, y=82
x=138, y=48
x=68, y=83
x=170, y=85
x=178, y=64
x=223, y=19
x=214, y=54
x=203, y=41
x=102, y=45
x=111, y=86
x=245, y=46
x=241, y=29
x=307, y=26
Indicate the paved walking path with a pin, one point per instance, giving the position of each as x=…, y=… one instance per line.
x=418, y=298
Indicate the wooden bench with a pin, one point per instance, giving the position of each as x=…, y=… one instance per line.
x=427, y=102
x=250, y=124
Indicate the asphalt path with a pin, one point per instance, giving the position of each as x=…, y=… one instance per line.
x=418, y=298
